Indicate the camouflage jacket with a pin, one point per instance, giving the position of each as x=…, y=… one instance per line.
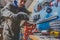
x=13, y=17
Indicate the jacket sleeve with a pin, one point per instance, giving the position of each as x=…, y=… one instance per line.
x=5, y=12
x=20, y=16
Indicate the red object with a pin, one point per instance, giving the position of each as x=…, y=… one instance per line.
x=28, y=30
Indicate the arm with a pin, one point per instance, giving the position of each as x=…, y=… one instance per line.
x=21, y=16
x=5, y=12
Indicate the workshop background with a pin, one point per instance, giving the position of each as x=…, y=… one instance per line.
x=55, y=25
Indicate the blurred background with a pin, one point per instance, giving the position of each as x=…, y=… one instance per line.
x=30, y=7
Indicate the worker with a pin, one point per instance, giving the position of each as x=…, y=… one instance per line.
x=14, y=12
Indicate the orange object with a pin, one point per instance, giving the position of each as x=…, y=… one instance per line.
x=33, y=37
